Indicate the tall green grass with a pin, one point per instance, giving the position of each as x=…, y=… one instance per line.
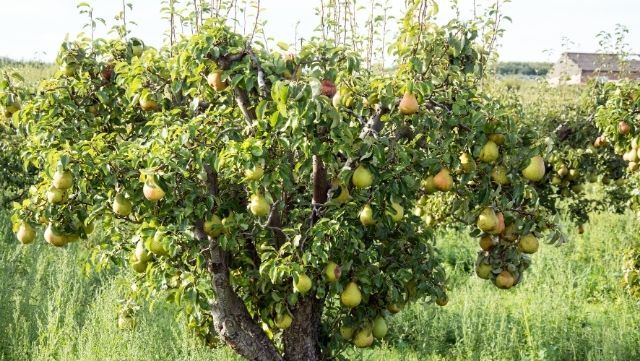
x=570, y=307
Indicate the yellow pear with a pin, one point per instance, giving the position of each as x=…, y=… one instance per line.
x=254, y=174
x=366, y=216
x=467, y=163
x=364, y=337
x=303, y=285
x=55, y=195
x=484, y=270
x=428, y=185
x=53, y=237
x=500, y=225
x=213, y=227
x=497, y=138
x=152, y=191
x=283, y=321
x=443, y=181
x=535, y=170
x=490, y=152
x=215, y=81
x=397, y=213
x=26, y=234
x=122, y=206
x=487, y=220
x=362, y=177
x=259, y=205
x=351, y=296
x=62, y=179
x=408, y=104
x=499, y=175
x=344, y=195
x=332, y=271
x=346, y=332
x=528, y=244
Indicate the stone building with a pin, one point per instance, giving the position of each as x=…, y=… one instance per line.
x=578, y=68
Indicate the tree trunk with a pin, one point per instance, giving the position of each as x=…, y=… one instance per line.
x=231, y=319
x=302, y=339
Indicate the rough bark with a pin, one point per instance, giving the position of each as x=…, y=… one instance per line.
x=302, y=339
x=231, y=319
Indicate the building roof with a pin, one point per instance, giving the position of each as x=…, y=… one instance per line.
x=605, y=62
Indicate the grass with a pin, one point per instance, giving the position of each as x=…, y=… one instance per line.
x=570, y=307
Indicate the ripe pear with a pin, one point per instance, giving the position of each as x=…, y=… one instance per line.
x=55, y=195
x=528, y=244
x=500, y=225
x=505, y=280
x=499, y=175
x=122, y=206
x=624, y=128
x=563, y=171
x=351, y=296
x=213, y=227
x=380, y=327
x=442, y=301
x=510, y=233
x=467, y=163
x=344, y=195
x=535, y=170
x=215, y=81
x=497, y=138
x=259, y=205
x=630, y=156
x=141, y=254
x=428, y=185
x=332, y=271
x=346, y=332
x=303, y=285
x=148, y=104
x=62, y=180
x=366, y=216
x=254, y=174
x=443, y=181
x=397, y=213
x=26, y=234
x=394, y=308
x=53, y=237
x=487, y=220
x=138, y=266
x=283, y=321
x=362, y=177
x=487, y=243
x=484, y=270
x=408, y=104
x=490, y=152
x=364, y=337
x=152, y=191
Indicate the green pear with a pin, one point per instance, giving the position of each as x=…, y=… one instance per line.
x=380, y=328
x=366, y=216
x=213, y=227
x=397, y=213
x=428, y=185
x=487, y=220
x=55, y=195
x=303, y=285
x=332, y=271
x=141, y=254
x=484, y=270
x=62, y=180
x=346, y=332
x=528, y=244
x=490, y=152
x=364, y=337
x=122, y=206
x=351, y=296
x=535, y=170
x=362, y=177
x=259, y=205
x=254, y=174
x=26, y=234
x=344, y=196
x=283, y=321
x=467, y=163
x=499, y=175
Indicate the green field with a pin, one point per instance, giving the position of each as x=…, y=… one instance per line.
x=570, y=308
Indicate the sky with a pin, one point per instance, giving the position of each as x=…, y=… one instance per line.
x=540, y=31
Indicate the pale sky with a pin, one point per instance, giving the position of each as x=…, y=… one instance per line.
x=541, y=29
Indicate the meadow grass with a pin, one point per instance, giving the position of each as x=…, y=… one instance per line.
x=570, y=307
